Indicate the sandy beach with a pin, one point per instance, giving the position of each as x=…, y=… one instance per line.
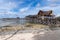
x=33, y=35
x=21, y=35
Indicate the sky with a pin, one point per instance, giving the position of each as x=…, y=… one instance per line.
x=22, y=8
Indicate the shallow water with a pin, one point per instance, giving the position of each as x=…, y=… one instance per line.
x=12, y=22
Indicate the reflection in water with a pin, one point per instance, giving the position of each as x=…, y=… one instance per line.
x=12, y=22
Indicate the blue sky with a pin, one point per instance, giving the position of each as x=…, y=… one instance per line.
x=22, y=8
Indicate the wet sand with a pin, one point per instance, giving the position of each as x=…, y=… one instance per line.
x=53, y=35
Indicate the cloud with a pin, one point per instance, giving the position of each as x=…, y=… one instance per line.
x=38, y=5
x=9, y=5
x=5, y=7
x=54, y=5
x=53, y=0
x=26, y=8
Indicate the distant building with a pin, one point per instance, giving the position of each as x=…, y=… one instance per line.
x=11, y=18
x=41, y=15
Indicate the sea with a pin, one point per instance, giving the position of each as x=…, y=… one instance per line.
x=12, y=22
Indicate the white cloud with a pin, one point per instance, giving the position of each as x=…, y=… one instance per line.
x=53, y=0
x=5, y=8
x=38, y=5
x=7, y=5
x=26, y=8
x=54, y=5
